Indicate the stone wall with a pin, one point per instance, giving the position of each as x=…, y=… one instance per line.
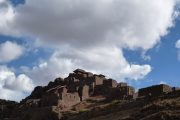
x=83, y=92
x=121, y=84
x=124, y=92
x=155, y=90
x=110, y=83
x=101, y=90
x=69, y=99
x=78, y=86
x=98, y=80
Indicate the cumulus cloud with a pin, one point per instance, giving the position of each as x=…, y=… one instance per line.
x=21, y=83
x=14, y=87
x=7, y=17
x=82, y=22
x=92, y=34
x=132, y=24
x=10, y=51
x=105, y=60
x=11, y=95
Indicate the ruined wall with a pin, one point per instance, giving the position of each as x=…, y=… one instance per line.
x=49, y=100
x=77, y=87
x=85, y=92
x=122, y=84
x=52, y=96
x=131, y=90
x=155, y=90
x=98, y=80
x=69, y=99
x=101, y=90
x=89, y=74
x=124, y=92
x=110, y=83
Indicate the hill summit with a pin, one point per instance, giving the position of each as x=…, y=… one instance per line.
x=84, y=95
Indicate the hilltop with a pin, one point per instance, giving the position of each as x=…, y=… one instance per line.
x=84, y=95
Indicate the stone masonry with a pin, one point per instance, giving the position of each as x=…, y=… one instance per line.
x=78, y=86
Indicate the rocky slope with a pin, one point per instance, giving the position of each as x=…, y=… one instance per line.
x=86, y=96
x=159, y=108
x=6, y=108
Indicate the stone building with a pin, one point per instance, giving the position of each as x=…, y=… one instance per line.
x=121, y=92
x=60, y=97
x=126, y=91
x=83, y=92
x=122, y=84
x=110, y=83
x=98, y=79
x=78, y=86
x=155, y=90
x=79, y=71
x=101, y=90
x=83, y=73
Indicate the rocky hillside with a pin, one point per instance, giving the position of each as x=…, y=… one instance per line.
x=87, y=96
x=6, y=108
x=159, y=108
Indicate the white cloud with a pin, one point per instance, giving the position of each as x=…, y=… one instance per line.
x=11, y=95
x=106, y=60
x=21, y=83
x=162, y=82
x=14, y=87
x=91, y=34
x=10, y=51
x=136, y=72
x=133, y=24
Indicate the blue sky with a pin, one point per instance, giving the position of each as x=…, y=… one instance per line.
x=164, y=60
x=136, y=44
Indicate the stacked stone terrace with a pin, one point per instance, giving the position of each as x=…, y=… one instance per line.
x=78, y=86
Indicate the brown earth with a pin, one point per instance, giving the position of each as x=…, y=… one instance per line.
x=145, y=109
x=97, y=108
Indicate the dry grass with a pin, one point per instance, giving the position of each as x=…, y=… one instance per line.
x=157, y=109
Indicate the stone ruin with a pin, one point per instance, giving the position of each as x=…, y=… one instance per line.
x=78, y=86
x=157, y=90
x=64, y=94
x=50, y=101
